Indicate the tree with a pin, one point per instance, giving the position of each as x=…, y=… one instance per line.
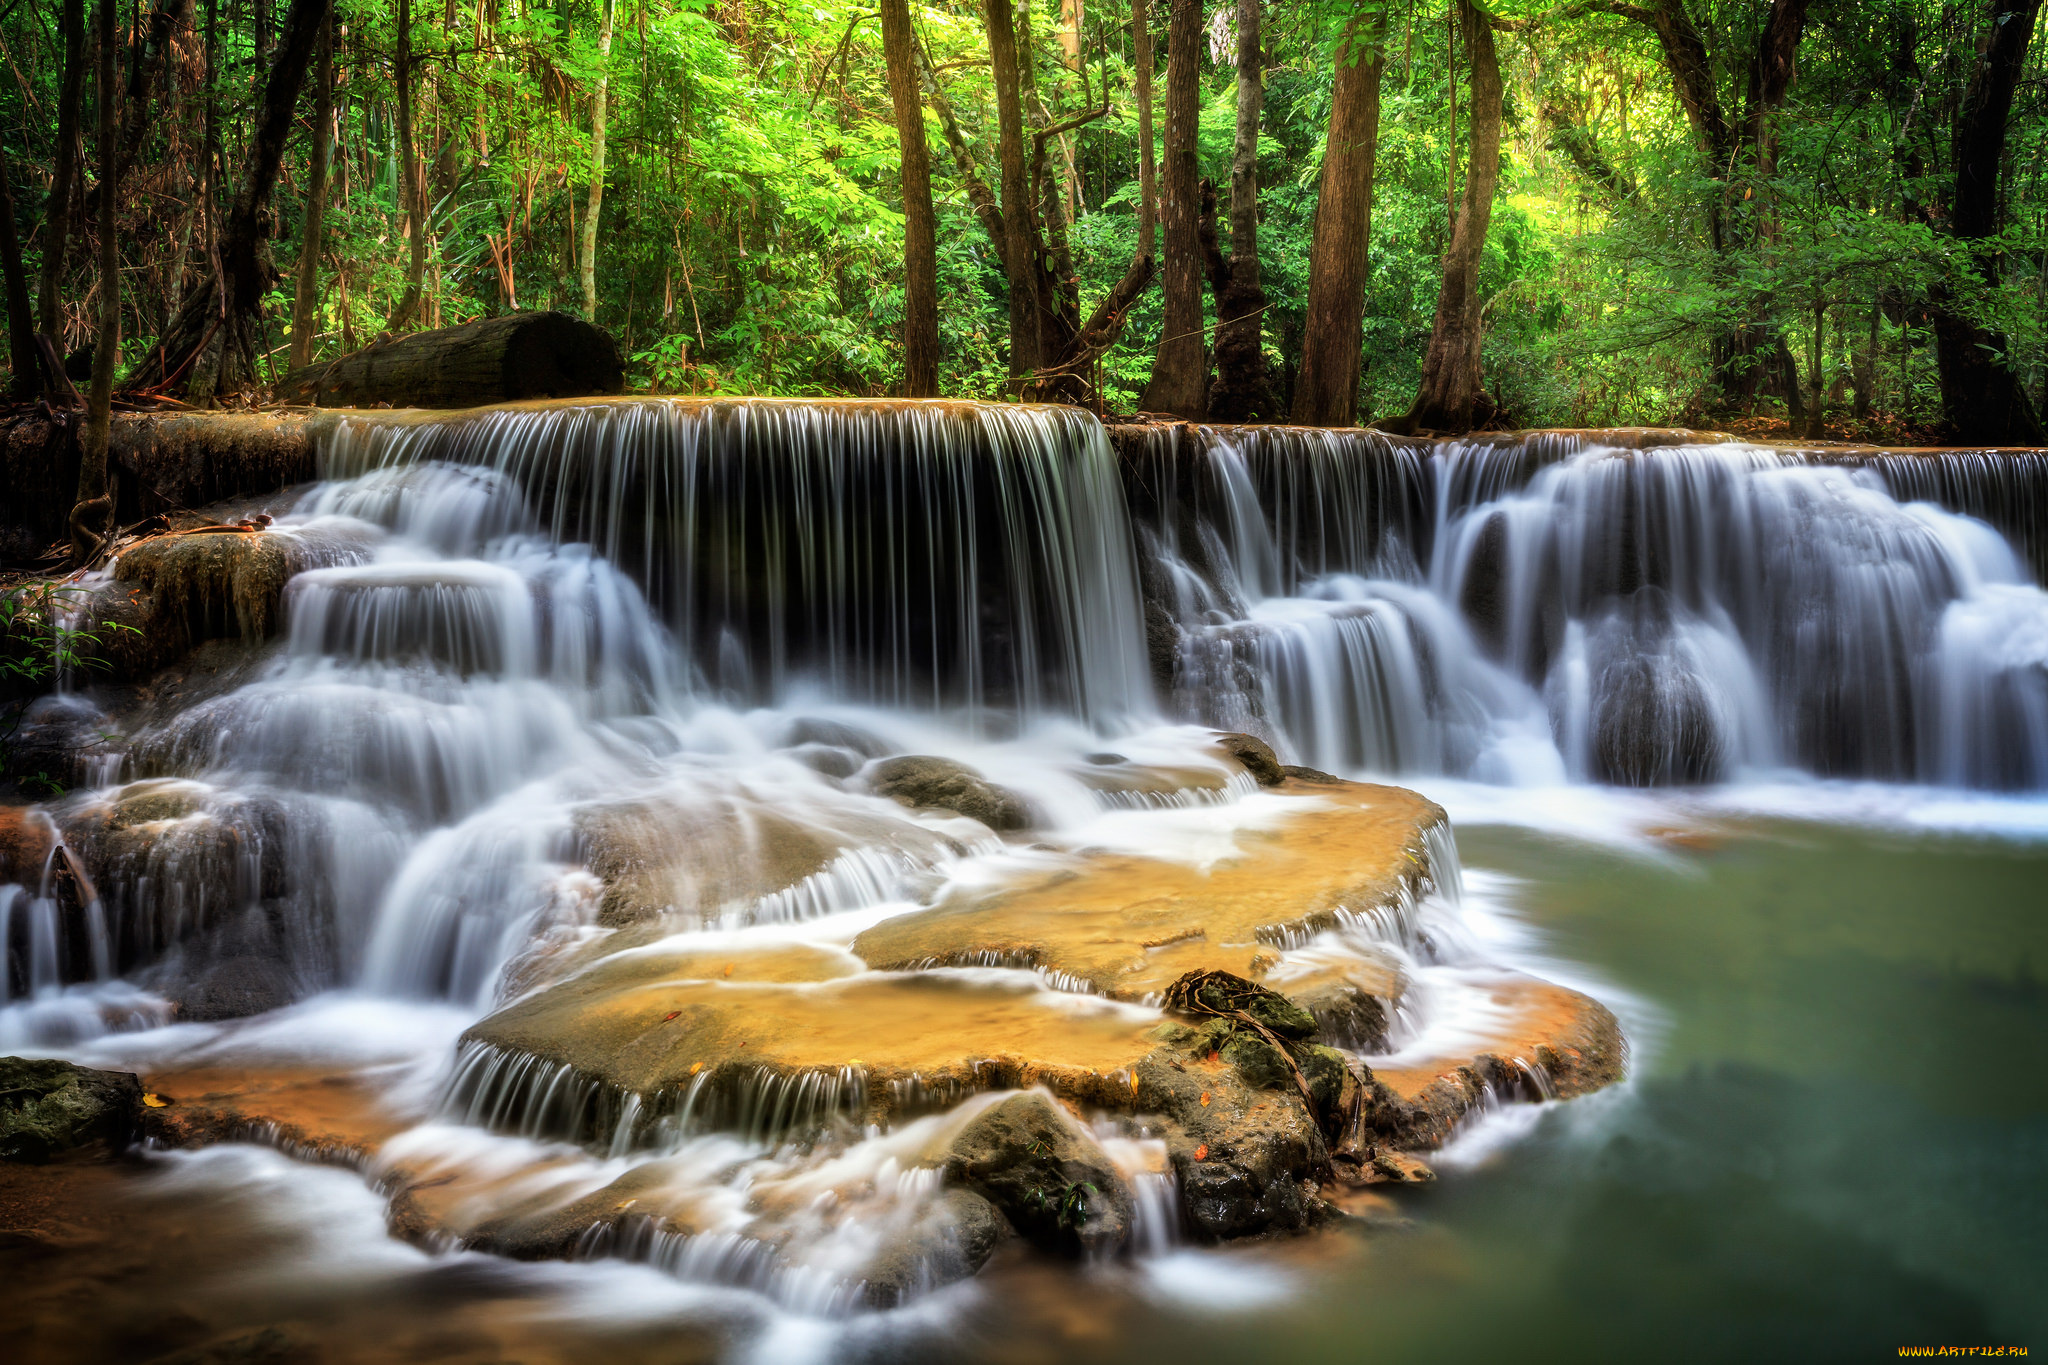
x=1018, y=248
x=1148, y=179
x=920, y=231
x=1180, y=368
x=586, y=262
x=1241, y=392
x=412, y=179
x=210, y=348
x=1326, y=394
x=1981, y=397
x=1451, y=378
x=27, y=372
x=92, y=515
x=306, y=296
x=63, y=175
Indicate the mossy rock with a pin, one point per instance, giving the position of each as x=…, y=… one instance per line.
x=50, y=1109
x=942, y=784
x=1047, y=1177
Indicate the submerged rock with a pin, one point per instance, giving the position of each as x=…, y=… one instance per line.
x=50, y=1109
x=1053, y=1183
x=943, y=784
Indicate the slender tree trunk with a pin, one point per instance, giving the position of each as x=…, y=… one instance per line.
x=1326, y=394
x=26, y=377
x=587, y=257
x=94, y=509
x=210, y=348
x=63, y=176
x=1451, y=378
x=1981, y=396
x=1148, y=179
x=1180, y=370
x=412, y=192
x=1242, y=392
x=165, y=19
x=306, y=297
x=920, y=231
x=1019, y=249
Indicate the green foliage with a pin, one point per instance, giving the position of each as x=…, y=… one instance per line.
x=751, y=227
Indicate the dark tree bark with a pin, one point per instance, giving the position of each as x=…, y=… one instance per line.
x=1451, y=378
x=1018, y=252
x=920, y=232
x=1180, y=370
x=491, y=360
x=1326, y=394
x=414, y=192
x=92, y=514
x=1750, y=357
x=1148, y=179
x=210, y=348
x=920, y=229
x=306, y=295
x=63, y=175
x=1242, y=392
x=165, y=19
x=26, y=376
x=1982, y=399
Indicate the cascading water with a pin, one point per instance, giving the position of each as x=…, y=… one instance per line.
x=599, y=688
x=1682, y=614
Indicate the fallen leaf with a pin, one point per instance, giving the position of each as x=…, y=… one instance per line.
x=670, y=1015
x=1205, y=1099
x=154, y=1100
x=728, y=969
x=696, y=1067
x=1202, y=1152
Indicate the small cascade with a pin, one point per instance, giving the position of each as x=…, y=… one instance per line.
x=1551, y=609
x=938, y=556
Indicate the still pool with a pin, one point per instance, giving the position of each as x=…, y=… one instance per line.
x=1834, y=1144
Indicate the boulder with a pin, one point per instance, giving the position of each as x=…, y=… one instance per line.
x=1052, y=1182
x=951, y=1242
x=50, y=1109
x=1256, y=755
x=943, y=784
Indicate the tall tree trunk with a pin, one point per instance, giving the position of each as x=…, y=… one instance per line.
x=586, y=263
x=1019, y=255
x=412, y=192
x=1451, y=376
x=94, y=508
x=306, y=296
x=920, y=231
x=165, y=19
x=1242, y=392
x=1148, y=179
x=26, y=377
x=1981, y=397
x=1180, y=370
x=1326, y=394
x=210, y=348
x=63, y=176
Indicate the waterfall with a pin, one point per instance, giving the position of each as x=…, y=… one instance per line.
x=1529, y=610
x=931, y=555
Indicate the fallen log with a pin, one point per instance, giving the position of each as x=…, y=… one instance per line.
x=491, y=360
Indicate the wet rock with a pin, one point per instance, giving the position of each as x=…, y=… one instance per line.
x=1313, y=776
x=1248, y=1158
x=1127, y=926
x=55, y=746
x=50, y=1109
x=1655, y=725
x=943, y=784
x=1029, y=1160
x=1550, y=1042
x=951, y=1242
x=233, y=988
x=264, y=1346
x=1256, y=755
x=835, y=734
x=830, y=759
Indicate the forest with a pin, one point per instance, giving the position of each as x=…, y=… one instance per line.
x=1800, y=218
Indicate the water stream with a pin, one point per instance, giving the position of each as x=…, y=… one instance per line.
x=1719, y=676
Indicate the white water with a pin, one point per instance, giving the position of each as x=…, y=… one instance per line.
x=704, y=620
